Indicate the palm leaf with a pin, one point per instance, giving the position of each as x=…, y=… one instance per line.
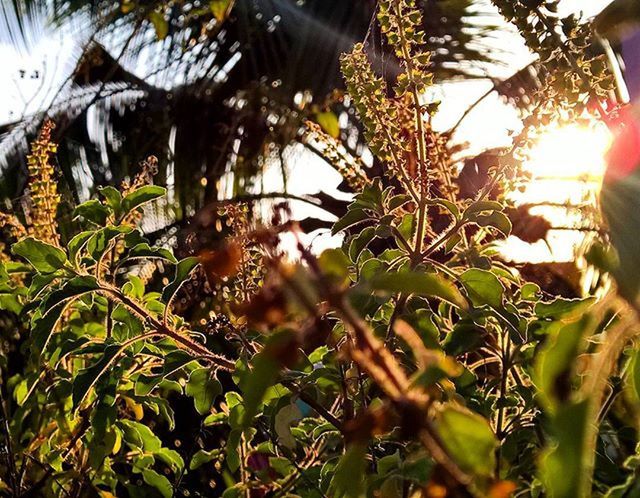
x=228, y=102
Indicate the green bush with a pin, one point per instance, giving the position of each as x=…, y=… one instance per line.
x=411, y=361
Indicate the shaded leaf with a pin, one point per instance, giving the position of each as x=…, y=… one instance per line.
x=93, y=211
x=87, y=378
x=203, y=456
x=143, y=250
x=567, y=309
x=360, y=242
x=183, y=270
x=497, y=220
x=468, y=438
x=44, y=257
x=425, y=284
x=348, y=477
x=72, y=288
x=554, y=363
x=203, y=388
x=353, y=217
x=160, y=482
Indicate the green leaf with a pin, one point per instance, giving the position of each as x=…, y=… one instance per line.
x=567, y=309
x=407, y=226
x=141, y=196
x=497, y=220
x=530, y=292
x=203, y=456
x=281, y=465
x=145, y=251
x=348, y=478
x=352, y=218
x=93, y=211
x=87, y=378
x=203, y=388
x=360, y=242
x=72, y=288
x=468, y=438
x=335, y=265
x=113, y=197
x=425, y=284
x=183, y=270
x=140, y=436
x=483, y=287
x=160, y=482
x=171, y=458
x=563, y=466
x=44, y=257
x=554, y=363
x=328, y=121
x=9, y=302
x=134, y=287
x=452, y=242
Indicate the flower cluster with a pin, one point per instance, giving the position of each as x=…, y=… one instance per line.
x=43, y=189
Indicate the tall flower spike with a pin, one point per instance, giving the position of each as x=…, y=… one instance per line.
x=401, y=22
x=43, y=189
x=369, y=93
x=350, y=168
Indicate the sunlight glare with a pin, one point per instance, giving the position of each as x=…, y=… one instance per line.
x=570, y=152
x=567, y=166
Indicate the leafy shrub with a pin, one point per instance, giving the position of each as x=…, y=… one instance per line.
x=412, y=361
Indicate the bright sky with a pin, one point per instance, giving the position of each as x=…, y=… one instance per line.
x=30, y=79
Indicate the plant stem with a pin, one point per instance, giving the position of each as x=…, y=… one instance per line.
x=162, y=329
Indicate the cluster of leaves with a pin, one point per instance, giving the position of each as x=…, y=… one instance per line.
x=575, y=74
x=409, y=362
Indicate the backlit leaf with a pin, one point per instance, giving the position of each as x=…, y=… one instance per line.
x=483, y=287
x=142, y=196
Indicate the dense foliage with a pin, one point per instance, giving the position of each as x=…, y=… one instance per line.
x=412, y=361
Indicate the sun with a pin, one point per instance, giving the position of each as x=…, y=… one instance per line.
x=567, y=165
x=570, y=152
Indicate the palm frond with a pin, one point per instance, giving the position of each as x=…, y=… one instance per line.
x=217, y=95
